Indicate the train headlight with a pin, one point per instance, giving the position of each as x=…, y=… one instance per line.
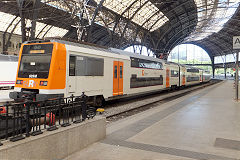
x=19, y=82
x=43, y=83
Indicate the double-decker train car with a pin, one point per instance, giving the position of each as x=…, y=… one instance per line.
x=56, y=68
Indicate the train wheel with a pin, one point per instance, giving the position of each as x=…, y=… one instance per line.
x=98, y=101
x=91, y=112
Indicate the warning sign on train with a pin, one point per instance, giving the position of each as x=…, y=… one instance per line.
x=236, y=42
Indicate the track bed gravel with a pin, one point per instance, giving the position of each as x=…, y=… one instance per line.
x=121, y=109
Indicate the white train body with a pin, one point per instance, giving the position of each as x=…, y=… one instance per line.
x=8, y=71
x=101, y=73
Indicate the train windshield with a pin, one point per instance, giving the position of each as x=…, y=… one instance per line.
x=35, y=61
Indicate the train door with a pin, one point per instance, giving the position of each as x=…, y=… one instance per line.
x=201, y=76
x=167, y=78
x=72, y=79
x=184, y=77
x=117, y=78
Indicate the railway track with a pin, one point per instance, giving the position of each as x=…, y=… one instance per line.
x=125, y=108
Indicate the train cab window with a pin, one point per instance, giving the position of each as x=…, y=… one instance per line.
x=121, y=71
x=115, y=71
x=72, y=65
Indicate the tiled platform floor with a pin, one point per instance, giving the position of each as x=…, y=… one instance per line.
x=204, y=125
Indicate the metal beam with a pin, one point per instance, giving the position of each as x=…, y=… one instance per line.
x=41, y=31
x=129, y=20
x=10, y=35
x=93, y=20
x=36, y=5
x=22, y=15
x=4, y=47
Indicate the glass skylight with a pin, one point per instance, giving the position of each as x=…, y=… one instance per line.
x=142, y=12
x=74, y=7
x=212, y=17
x=6, y=20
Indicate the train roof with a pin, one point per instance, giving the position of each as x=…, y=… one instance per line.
x=78, y=44
x=109, y=50
x=100, y=48
x=130, y=54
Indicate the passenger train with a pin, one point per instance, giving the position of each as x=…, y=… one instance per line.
x=55, y=68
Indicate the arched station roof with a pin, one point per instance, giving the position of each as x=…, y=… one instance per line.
x=159, y=25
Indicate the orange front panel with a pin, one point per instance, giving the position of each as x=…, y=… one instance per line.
x=57, y=71
x=167, y=78
x=115, y=78
x=120, y=80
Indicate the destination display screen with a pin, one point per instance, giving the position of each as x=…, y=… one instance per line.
x=38, y=49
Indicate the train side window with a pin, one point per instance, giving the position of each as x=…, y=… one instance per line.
x=193, y=70
x=136, y=82
x=150, y=64
x=134, y=62
x=115, y=71
x=142, y=63
x=89, y=66
x=80, y=66
x=174, y=73
x=72, y=65
x=121, y=71
x=94, y=66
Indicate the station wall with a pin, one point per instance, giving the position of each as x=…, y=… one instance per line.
x=14, y=45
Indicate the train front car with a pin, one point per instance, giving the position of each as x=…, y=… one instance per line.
x=41, y=71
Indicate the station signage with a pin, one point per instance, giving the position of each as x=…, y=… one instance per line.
x=236, y=42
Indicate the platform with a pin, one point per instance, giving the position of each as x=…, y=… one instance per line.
x=4, y=96
x=203, y=125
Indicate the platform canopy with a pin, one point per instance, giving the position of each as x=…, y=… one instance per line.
x=159, y=25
